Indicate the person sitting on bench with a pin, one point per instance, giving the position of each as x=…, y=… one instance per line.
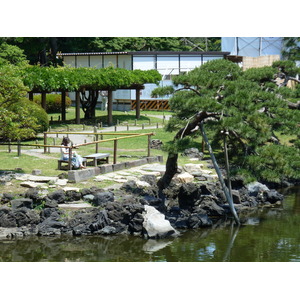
x=76, y=158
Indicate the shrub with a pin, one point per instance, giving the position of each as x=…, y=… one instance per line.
x=53, y=102
x=17, y=126
x=36, y=111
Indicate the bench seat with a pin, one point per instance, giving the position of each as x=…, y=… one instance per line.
x=97, y=156
x=61, y=161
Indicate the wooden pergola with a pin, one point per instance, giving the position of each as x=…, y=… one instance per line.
x=136, y=87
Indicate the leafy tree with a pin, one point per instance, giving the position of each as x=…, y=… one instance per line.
x=250, y=108
x=17, y=125
x=12, y=88
x=43, y=50
x=12, y=54
x=19, y=118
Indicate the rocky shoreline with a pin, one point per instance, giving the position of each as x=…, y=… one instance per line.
x=134, y=208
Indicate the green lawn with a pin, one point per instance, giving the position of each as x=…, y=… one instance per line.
x=119, y=117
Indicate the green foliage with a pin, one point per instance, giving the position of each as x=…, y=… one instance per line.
x=36, y=112
x=34, y=46
x=12, y=54
x=260, y=75
x=275, y=163
x=250, y=107
x=53, y=102
x=49, y=79
x=12, y=88
x=286, y=66
x=292, y=48
x=17, y=126
x=162, y=91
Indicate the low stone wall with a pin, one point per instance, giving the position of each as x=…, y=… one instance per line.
x=82, y=175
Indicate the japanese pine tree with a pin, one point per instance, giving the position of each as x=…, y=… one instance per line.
x=258, y=113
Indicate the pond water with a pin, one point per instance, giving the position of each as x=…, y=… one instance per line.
x=271, y=235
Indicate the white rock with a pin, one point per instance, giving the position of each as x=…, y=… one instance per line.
x=206, y=172
x=61, y=182
x=101, y=178
x=75, y=205
x=75, y=189
x=31, y=184
x=141, y=183
x=193, y=168
x=42, y=178
x=185, y=177
x=155, y=223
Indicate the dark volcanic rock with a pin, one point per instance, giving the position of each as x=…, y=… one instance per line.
x=7, y=217
x=211, y=207
x=188, y=195
x=18, y=203
x=272, y=196
x=25, y=216
x=102, y=198
x=193, y=153
x=58, y=195
x=199, y=220
x=7, y=197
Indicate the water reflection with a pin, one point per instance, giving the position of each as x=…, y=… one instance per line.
x=152, y=246
x=233, y=235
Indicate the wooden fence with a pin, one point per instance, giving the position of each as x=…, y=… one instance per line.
x=96, y=142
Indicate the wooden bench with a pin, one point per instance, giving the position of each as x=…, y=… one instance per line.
x=66, y=162
x=98, y=156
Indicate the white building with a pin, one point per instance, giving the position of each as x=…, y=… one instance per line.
x=168, y=63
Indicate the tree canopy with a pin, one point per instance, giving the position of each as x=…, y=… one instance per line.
x=253, y=107
x=43, y=50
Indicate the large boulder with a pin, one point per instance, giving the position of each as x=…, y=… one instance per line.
x=155, y=225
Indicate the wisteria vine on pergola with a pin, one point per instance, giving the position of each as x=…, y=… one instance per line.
x=86, y=82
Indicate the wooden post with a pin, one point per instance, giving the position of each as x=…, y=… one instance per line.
x=45, y=142
x=138, y=104
x=44, y=105
x=115, y=151
x=9, y=146
x=149, y=143
x=77, y=107
x=96, y=138
x=63, y=106
x=70, y=158
x=19, y=148
x=109, y=108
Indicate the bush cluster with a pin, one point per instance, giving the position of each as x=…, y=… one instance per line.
x=53, y=102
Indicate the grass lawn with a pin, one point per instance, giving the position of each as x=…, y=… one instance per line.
x=119, y=117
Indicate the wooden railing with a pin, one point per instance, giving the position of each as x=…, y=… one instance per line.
x=96, y=142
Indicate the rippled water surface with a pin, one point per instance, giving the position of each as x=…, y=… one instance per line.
x=269, y=236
